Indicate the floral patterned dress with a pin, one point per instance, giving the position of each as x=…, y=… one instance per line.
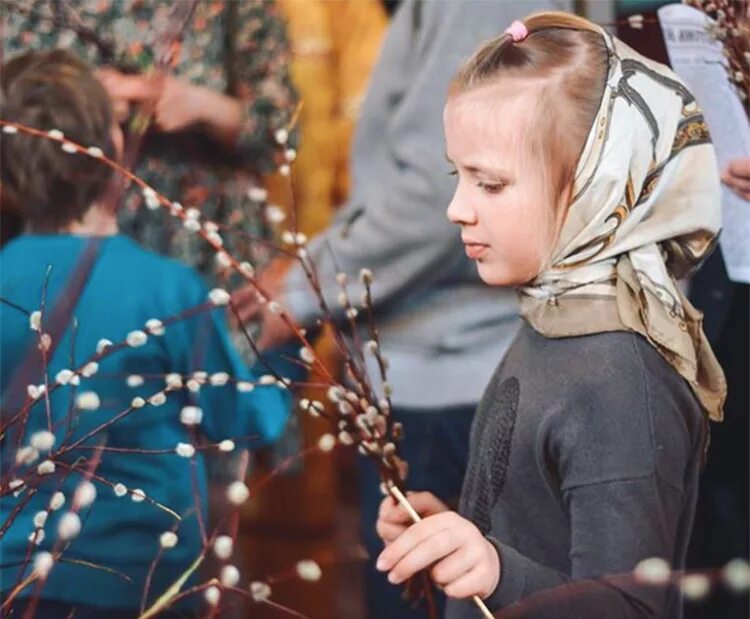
x=237, y=47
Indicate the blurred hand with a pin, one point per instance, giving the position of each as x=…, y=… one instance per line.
x=178, y=104
x=737, y=177
x=460, y=559
x=274, y=330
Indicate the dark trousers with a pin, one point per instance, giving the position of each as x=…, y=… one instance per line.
x=436, y=446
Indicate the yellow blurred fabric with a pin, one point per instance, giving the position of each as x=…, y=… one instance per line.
x=335, y=44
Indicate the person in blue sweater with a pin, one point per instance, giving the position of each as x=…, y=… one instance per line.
x=140, y=372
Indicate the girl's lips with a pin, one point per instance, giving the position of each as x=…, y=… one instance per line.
x=475, y=250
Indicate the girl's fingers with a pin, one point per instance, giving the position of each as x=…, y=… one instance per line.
x=471, y=583
x=450, y=527
x=388, y=531
x=454, y=566
x=440, y=544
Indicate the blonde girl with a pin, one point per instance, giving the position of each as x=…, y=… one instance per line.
x=586, y=179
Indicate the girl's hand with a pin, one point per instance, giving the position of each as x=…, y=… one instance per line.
x=393, y=519
x=460, y=559
x=737, y=177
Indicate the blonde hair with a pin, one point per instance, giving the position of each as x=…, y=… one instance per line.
x=566, y=58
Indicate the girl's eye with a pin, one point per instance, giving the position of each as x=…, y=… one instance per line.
x=491, y=188
x=453, y=173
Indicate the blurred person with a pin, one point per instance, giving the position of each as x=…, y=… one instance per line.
x=441, y=328
x=103, y=571
x=216, y=111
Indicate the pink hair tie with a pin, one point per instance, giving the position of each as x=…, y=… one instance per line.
x=517, y=31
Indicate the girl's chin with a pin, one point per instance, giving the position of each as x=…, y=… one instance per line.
x=497, y=275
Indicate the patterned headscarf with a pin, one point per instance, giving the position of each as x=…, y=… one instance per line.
x=645, y=210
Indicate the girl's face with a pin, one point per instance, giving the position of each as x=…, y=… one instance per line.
x=502, y=201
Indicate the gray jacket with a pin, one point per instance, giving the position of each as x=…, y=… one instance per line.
x=442, y=329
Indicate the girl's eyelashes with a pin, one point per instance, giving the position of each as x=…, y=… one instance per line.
x=491, y=188
x=453, y=173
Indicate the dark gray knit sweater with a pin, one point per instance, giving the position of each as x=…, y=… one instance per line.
x=584, y=460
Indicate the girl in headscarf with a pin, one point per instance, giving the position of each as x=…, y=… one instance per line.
x=587, y=180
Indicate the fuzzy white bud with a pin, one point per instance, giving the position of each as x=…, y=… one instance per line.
x=168, y=539
x=230, y=576
x=281, y=136
x=33, y=391
x=85, y=495
x=102, y=345
x=43, y=562
x=365, y=276
x=27, y=455
x=223, y=259
x=95, y=151
x=695, y=586
x=653, y=571
x=87, y=401
x=69, y=526
x=284, y=169
x=37, y=536
x=185, y=450
x=155, y=326
x=63, y=377
x=10, y=129
x=57, y=501
x=219, y=379
x=309, y=570
x=191, y=415
x=137, y=402
x=151, y=198
x=219, y=296
x=45, y=342
x=16, y=485
x=274, y=214
x=267, y=379
x=157, y=399
x=120, y=490
x=212, y=595
x=237, y=493
x=56, y=134
x=173, y=381
x=260, y=591
x=307, y=355
x=736, y=575
x=43, y=440
x=244, y=386
x=257, y=194
x=91, y=368
x=226, y=445
x=636, y=22
x=193, y=385
x=223, y=546
x=326, y=442
x=46, y=468
x=136, y=338
x=40, y=519
x=137, y=495
x=192, y=225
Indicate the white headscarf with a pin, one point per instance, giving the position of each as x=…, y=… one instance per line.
x=646, y=209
